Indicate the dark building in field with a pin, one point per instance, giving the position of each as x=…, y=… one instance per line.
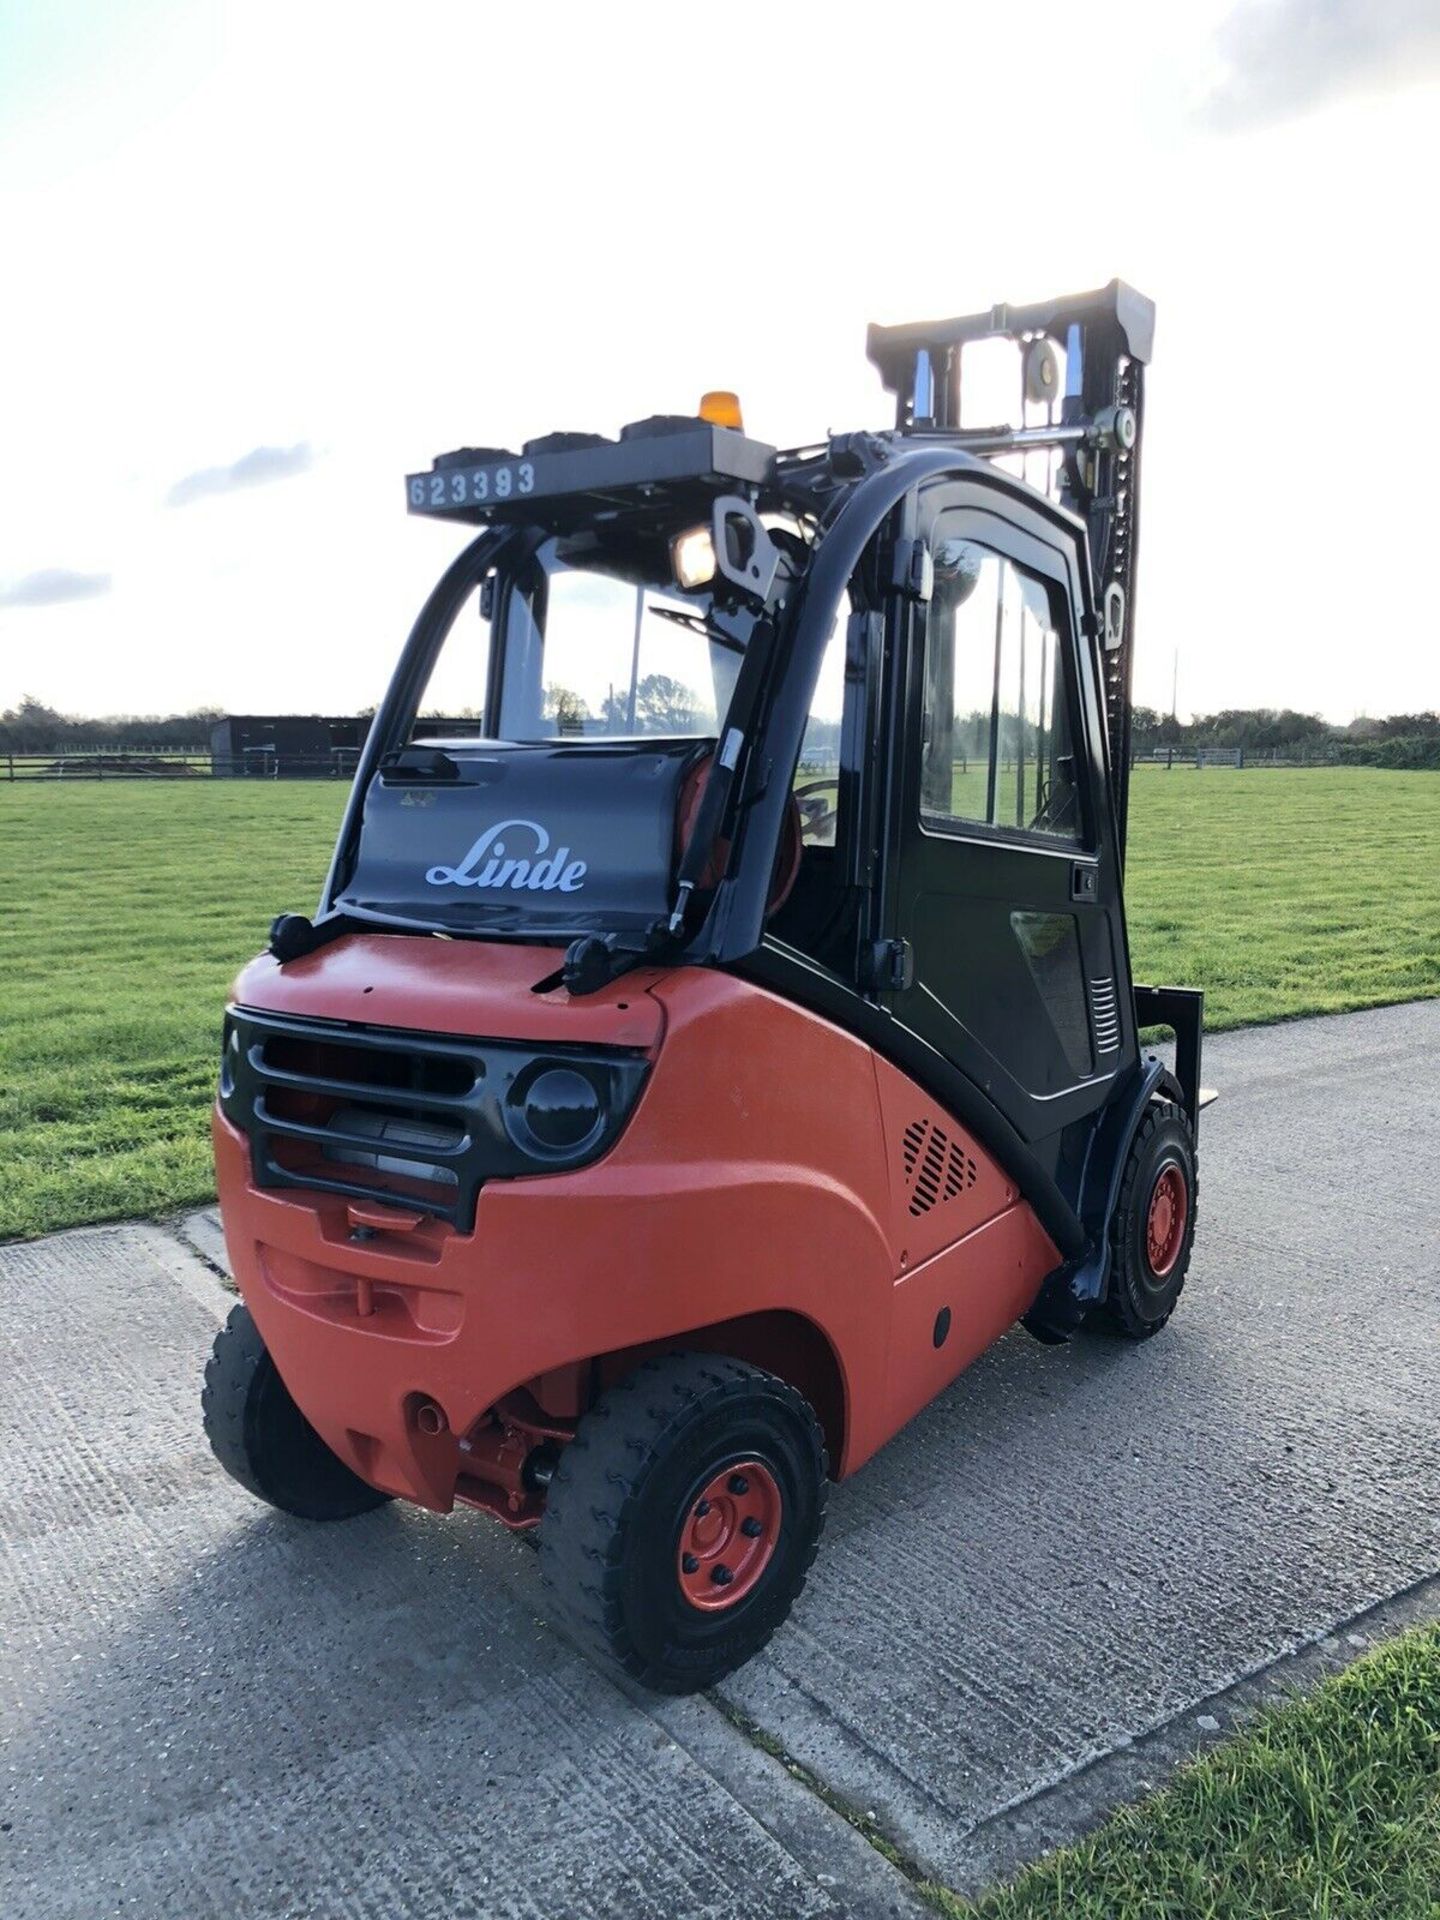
x=290, y=746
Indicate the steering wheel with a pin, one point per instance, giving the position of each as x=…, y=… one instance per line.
x=817, y=822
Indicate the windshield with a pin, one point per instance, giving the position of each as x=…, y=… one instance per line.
x=508, y=805
x=592, y=651
x=593, y=640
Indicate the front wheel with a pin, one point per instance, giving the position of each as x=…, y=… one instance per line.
x=261, y=1438
x=683, y=1518
x=1154, y=1225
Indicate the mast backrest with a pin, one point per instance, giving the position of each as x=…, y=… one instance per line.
x=1093, y=442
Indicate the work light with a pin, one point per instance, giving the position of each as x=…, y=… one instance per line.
x=692, y=557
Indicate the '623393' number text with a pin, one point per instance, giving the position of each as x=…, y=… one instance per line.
x=472, y=486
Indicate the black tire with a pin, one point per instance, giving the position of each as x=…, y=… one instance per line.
x=261, y=1438
x=1143, y=1290
x=630, y=1483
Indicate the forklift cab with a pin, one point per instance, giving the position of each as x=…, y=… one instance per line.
x=742, y=1015
x=851, y=721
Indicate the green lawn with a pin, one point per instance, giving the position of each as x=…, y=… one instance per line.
x=1326, y=1808
x=1284, y=892
x=130, y=907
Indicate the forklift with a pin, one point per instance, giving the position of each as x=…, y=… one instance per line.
x=690, y=1072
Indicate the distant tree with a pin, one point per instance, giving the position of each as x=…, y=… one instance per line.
x=1410, y=726
x=565, y=708
x=31, y=726
x=662, y=705
x=1256, y=728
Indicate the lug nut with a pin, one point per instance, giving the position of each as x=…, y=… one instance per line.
x=738, y=1483
x=751, y=1528
x=721, y=1575
x=689, y=1564
x=702, y=1509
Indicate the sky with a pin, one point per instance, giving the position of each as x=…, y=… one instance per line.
x=265, y=259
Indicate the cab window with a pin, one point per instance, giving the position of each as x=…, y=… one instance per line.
x=996, y=748
x=817, y=772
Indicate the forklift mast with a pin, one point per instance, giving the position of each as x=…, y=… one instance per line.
x=1086, y=419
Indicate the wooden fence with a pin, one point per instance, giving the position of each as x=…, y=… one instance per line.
x=178, y=765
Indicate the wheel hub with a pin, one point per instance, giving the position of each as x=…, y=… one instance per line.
x=729, y=1535
x=1165, y=1221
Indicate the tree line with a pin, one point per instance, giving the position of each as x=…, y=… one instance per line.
x=1405, y=740
x=32, y=727
x=665, y=705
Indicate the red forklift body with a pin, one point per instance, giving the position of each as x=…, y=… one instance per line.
x=775, y=1169
x=687, y=1076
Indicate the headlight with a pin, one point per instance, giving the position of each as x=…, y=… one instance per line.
x=692, y=558
x=555, y=1112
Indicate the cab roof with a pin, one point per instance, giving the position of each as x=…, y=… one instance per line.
x=568, y=478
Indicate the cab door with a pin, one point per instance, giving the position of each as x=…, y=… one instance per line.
x=1002, y=894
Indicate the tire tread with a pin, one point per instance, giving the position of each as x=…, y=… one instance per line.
x=644, y=1413
x=1118, y=1312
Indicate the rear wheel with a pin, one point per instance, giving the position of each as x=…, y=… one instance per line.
x=262, y=1439
x=683, y=1518
x=1154, y=1225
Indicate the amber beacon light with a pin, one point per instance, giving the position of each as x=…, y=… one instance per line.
x=722, y=410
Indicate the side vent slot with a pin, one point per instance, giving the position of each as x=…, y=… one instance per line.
x=1105, y=1011
x=936, y=1168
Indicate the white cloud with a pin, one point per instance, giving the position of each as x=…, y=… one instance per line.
x=1281, y=57
x=258, y=468
x=52, y=587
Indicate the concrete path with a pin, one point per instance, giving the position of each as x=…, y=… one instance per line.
x=1072, y=1570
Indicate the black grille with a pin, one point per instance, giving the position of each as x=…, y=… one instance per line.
x=1106, y=1007
x=936, y=1167
x=413, y=1119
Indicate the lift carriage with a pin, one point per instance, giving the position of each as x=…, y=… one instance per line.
x=741, y=1102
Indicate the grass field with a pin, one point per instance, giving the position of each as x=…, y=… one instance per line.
x=130, y=907
x=1326, y=1809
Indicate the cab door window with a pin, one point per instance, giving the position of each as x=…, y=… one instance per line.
x=817, y=772
x=996, y=748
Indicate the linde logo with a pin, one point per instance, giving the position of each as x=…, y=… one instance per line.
x=487, y=864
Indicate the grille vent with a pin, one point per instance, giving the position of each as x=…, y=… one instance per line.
x=936, y=1169
x=1105, y=1009
x=371, y=1113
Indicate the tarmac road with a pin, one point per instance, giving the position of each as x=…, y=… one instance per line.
x=1075, y=1567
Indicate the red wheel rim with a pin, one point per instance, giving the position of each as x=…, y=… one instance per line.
x=1165, y=1221
x=728, y=1536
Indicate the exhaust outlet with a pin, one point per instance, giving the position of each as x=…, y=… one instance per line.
x=430, y=1418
